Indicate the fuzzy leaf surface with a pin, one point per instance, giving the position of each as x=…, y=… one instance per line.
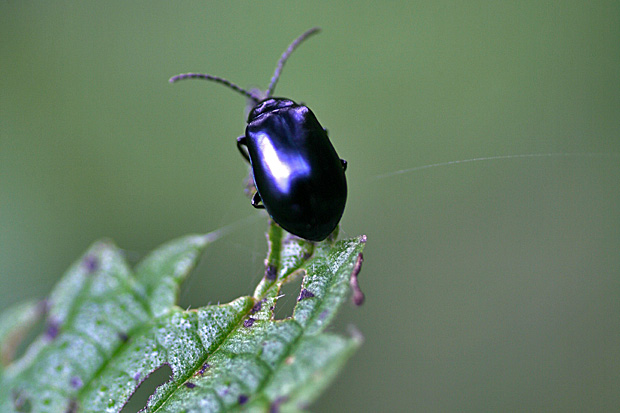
x=109, y=326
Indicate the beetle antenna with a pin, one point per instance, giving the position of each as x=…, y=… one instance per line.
x=214, y=79
x=287, y=53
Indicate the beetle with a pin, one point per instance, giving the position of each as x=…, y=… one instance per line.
x=299, y=178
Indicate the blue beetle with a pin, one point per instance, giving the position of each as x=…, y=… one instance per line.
x=299, y=178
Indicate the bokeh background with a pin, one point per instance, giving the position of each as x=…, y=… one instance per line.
x=491, y=285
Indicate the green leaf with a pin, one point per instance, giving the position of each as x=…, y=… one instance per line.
x=108, y=327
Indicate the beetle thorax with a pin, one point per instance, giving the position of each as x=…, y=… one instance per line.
x=269, y=105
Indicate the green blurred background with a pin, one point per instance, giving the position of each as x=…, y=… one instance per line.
x=491, y=285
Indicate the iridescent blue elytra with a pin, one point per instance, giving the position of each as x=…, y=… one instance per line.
x=298, y=175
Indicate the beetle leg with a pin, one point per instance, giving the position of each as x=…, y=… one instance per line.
x=344, y=164
x=241, y=141
x=256, y=201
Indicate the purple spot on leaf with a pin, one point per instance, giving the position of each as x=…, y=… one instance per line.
x=275, y=406
x=91, y=263
x=52, y=330
x=189, y=384
x=243, y=399
x=203, y=369
x=271, y=272
x=122, y=336
x=43, y=307
x=249, y=322
x=257, y=307
x=76, y=382
x=323, y=315
x=136, y=376
x=303, y=294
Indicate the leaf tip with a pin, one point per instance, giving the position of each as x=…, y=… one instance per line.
x=356, y=335
x=203, y=239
